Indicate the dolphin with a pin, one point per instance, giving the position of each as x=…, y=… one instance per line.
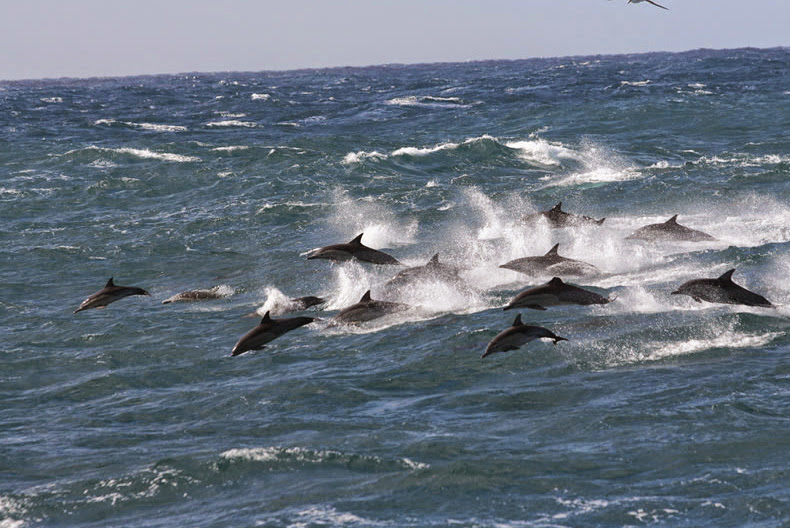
x=267, y=330
x=109, y=294
x=559, y=218
x=292, y=305
x=196, y=295
x=368, y=309
x=303, y=303
x=432, y=271
x=555, y=293
x=721, y=290
x=353, y=250
x=669, y=230
x=551, y=263
x=649, y=2
x=517, y=336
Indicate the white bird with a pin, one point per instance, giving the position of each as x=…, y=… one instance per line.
x=649, y=2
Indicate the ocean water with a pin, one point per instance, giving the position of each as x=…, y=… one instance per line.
x=658, y=411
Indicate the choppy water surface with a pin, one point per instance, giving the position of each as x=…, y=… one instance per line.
x=657, y=411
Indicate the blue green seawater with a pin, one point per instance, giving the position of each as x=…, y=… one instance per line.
x=658, y=410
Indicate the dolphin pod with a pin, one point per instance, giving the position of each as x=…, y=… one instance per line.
x=556, y=292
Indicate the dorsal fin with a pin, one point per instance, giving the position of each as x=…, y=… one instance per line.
x=357, y=241
x=434, y=260
x=727, y=276
x=266, y=317
x=517, y=321
x=109, y=284
x=556, y=281
x=672, y=221
x=600, y=222
x=366, y=297
x=557, y=208
x=553, y=251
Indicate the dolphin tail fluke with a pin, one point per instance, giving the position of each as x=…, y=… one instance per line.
x=601, y=221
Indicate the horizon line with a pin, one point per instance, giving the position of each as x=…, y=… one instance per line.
x=380, y=65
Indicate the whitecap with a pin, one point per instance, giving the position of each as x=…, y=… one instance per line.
x=427, y=101
x=231, y=123
x=635, y=83
x=231, y=148
x=541, y=151
x=148, y=154
x=53, y=100
x=357, y=157
x=260, y=97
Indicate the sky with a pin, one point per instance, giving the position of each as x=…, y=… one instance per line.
x=107, y=38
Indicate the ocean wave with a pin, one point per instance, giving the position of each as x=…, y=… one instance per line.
x=232, y=123
x=276, y=455
x=635, y=83
x=52, y=100
x=428, y=101
x=260, y=97
x=537, y=151
x=139, y=153
x=230, y=148
x=144, y=126
x=743, y=160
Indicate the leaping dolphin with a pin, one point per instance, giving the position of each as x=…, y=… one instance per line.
x=109, y=294
x=368, y=309
x=555, y=293
x=669, y=230
x=551, y=264
x=267, y=330
x=518, y=335
x=721, y=290
x=353, y=250
x=559, y=218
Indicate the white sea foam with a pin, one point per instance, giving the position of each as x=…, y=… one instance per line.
x=382, y=228
x=149, y=154
x=306, y=455
x=533, y=150
x=635, y=83
x=260, y=97
x=357, y=157
x=542, y=151
x=54, y=100
x=427, y=101
x=231, y=123
x=155, y=127
x=231, y=148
